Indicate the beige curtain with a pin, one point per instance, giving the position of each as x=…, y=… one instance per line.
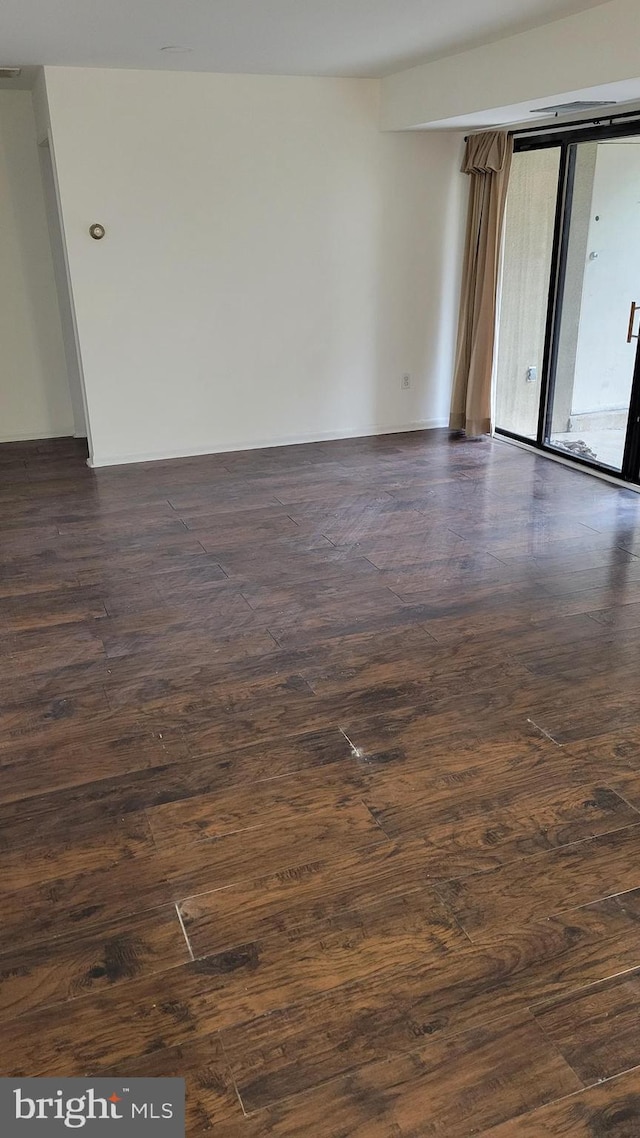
x=487, y=159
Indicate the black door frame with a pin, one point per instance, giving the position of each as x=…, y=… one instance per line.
x=566, y=141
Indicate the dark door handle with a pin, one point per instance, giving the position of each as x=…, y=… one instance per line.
x=632, y=316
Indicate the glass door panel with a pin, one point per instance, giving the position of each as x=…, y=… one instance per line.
x=590, y=393
x=528, y=250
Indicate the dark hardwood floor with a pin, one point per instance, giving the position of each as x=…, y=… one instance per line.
x=320, y=786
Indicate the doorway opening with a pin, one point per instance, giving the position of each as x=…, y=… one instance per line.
x=37, y=395
x=63, y=291
x=567, y=376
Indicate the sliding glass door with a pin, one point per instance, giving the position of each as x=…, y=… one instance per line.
x=567, y=376
x=526, y=272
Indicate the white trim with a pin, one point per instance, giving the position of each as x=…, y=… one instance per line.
x=260, y=444
x=29, y=437
x=619, y=482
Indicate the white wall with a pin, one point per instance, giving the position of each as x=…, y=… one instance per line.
x=273, y=263
x=548, y=63
x=34, y=391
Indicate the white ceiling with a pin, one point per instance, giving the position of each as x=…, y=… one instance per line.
x=285, y=37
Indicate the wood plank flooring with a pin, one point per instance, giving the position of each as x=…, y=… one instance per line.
x=320, y=786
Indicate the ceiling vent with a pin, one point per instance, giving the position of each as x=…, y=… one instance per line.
x=10, y=72
x=573, y=108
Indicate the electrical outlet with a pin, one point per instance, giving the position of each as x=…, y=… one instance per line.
x=406, y=381
x=532, y=374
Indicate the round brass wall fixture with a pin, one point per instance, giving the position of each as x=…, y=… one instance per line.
x=97, y=231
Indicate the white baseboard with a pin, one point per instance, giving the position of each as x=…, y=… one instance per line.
x=30, y=437
x=99, y=460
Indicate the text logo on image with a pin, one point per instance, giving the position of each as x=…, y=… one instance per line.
x=113, y=1108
